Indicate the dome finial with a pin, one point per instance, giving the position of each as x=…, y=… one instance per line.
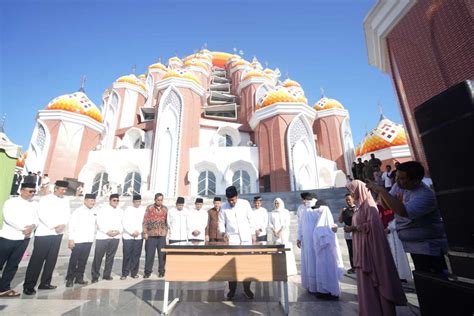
x=2, y=123
x=134, y=69
x=322, y=92
x=382, y=116
x=83, y=83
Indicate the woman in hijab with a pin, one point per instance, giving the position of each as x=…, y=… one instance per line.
x=280, y=224
x=378, y=285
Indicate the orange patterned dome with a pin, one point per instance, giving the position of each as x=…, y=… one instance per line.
x=158, y=66
x=76, y=102
x=282, y=95
x=386, y=134
x=132, y=80
x=326, y=104
x=181, y=73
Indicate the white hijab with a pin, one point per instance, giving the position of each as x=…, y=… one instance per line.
x=281, y=207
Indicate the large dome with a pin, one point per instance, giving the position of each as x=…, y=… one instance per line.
x=387, y=134
x=78, y=103
x=282, y=95
x=181, y=73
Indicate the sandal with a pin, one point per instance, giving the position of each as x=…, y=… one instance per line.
x=9, y=293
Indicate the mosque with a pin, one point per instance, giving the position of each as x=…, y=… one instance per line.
x=193, y=127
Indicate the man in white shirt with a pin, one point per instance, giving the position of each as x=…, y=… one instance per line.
x=109, y=230
x=19, y=220
x=197, y=222
x=178, y=222
x=53, y=213
x=132, y=241
x=260, y=216
x=81, y=237
x=237, y=225
x=387, y=177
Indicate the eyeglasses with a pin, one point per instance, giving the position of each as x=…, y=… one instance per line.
x=31, y=191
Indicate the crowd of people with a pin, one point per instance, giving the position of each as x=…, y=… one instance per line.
x=155, y=226
x=382, y=222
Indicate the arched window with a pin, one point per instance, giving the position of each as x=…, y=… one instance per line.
x=207, y=183
x=241, y=181
x=99, y=180
x=225, y=141
x=41, y=137
x=133, y=183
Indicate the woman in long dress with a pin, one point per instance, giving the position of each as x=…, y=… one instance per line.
x=378, y=286
x=280, y=221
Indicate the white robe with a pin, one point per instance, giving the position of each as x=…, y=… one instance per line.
x=178, y=224
x=197, y=220
x=329, y=265
x=280, y=219
x=306, y=224
x=398, y=253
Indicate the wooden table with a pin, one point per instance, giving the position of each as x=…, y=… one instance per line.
x=214, y=261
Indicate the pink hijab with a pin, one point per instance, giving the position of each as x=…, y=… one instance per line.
x=371, y=250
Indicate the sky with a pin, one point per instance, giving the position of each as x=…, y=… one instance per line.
x=46, y=46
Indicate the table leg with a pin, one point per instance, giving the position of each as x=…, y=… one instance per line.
x=165, y=298
x=284, y=296
x=167, y=307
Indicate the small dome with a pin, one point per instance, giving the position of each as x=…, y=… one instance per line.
x=142, y=76
x=387, y=134
x=158, y=66
x=194, y=62
x=76, y=102
x=282, y=95
x=181, y=73
x=326, y=104
x=240, y=62
x=175, y=60
x=253, y=73
x=290, y=83
x=132, y=80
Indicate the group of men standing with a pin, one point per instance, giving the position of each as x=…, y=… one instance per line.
x=107, y=225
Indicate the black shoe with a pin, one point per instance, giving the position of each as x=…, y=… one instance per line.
x=29, y=291
x=69, y=283
x=161, y=275
x=108, y=278
x=330, y=297
x=95, y=280
x=351, y=271
x=321, y=295
x=81, y=282
x=230, y=295
x=123, y=277
x=249, y=294
x=47, y=287
x=146, y=276
x=135, y=276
